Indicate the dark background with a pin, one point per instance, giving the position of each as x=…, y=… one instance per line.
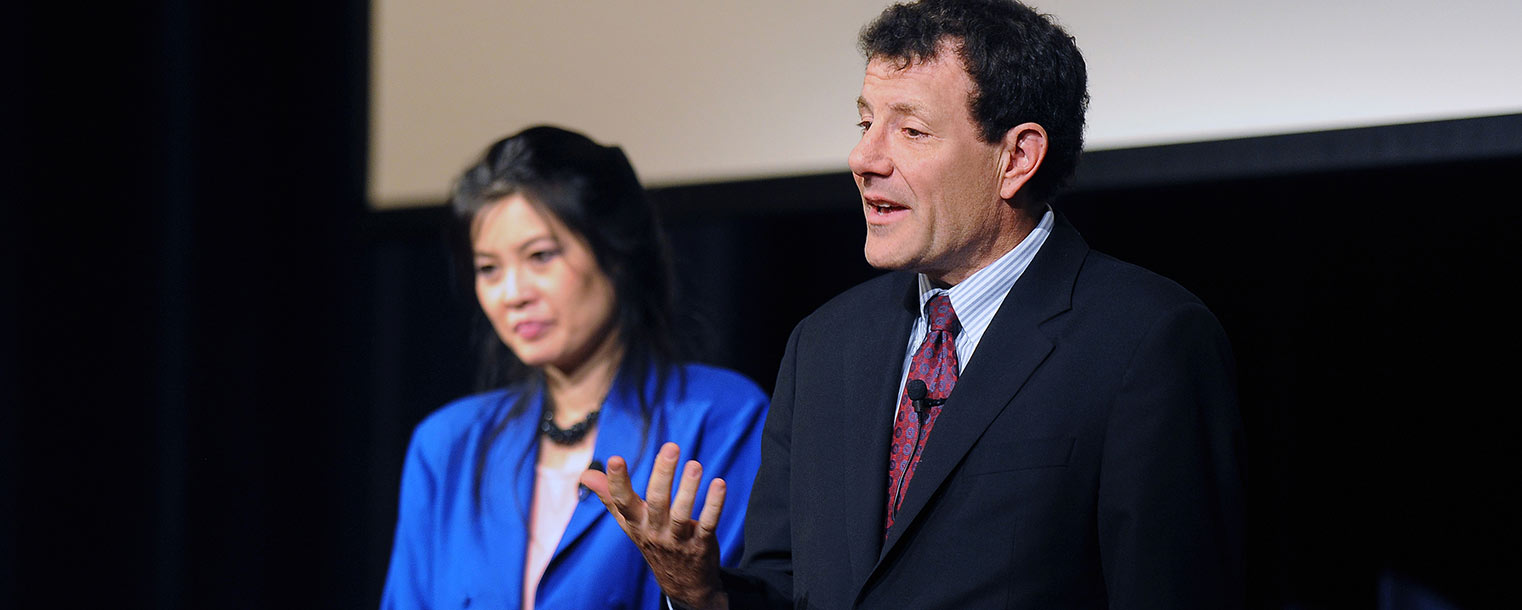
x=213, y=352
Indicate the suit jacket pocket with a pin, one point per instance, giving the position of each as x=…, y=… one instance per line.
x=1018, y=454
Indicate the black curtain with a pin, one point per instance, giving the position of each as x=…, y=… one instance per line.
x=188, y=304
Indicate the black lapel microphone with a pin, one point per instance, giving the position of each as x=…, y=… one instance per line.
x=917, y=391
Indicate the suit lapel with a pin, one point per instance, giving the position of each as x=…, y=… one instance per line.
x=516, y=449
x=862, y=490
x=617, y=434
x=1010, y=350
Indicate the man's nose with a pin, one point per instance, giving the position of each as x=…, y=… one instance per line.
x=869, y=157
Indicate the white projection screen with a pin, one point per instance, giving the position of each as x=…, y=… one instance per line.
x=707, y=91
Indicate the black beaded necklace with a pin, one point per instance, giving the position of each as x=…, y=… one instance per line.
x=565, y=436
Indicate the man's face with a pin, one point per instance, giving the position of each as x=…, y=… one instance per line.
x=929, y=184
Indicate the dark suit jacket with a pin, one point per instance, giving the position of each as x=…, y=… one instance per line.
x=1089, y=456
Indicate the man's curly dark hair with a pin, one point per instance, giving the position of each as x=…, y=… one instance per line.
x=1026, y=69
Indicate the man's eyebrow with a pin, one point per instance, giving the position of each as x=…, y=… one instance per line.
x=908, y=108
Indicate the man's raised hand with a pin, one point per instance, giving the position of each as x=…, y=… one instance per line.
x=683, y=553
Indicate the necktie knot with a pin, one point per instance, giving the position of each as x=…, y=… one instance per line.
x=942, y=316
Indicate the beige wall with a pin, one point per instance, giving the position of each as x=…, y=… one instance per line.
x=715, y=90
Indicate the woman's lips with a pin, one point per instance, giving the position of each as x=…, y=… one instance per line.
x=531, y=329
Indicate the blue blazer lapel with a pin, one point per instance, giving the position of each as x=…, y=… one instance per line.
x=618, y=433
x=515, y=450
x=1010, y=350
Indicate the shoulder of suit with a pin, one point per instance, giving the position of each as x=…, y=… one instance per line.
x=1107, y=281
x=717, y=404
x=706, y=384
x=452, y=423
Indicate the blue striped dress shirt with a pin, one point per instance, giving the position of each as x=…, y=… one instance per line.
x=977, y=298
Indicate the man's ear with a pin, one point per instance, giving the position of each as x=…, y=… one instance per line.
x=1024, y=148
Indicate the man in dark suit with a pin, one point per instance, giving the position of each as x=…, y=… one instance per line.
x=1011, y=421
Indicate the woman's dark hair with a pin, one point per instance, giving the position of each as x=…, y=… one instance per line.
x=1025, y=66
x=591, y=189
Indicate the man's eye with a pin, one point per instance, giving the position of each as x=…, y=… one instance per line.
x=864, y=125
x=913, y=133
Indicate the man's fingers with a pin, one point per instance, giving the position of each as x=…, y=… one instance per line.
x=658, y=493
x=651, y=515
x=597, y=481
x=686, y=495
x=620, y=491
x=713, y=506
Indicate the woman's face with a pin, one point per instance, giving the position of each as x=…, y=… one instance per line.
x=540, y=286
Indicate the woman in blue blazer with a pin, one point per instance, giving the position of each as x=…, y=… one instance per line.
x=572, y=274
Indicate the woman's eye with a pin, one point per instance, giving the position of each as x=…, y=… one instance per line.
x=543, y=256
x=485, y=270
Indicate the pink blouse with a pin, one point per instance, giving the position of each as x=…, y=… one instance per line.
x=555, y=497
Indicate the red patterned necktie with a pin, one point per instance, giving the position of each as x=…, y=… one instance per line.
x=934, y=363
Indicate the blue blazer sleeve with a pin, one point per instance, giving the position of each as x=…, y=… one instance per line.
x=733, y=452
x=407, y=577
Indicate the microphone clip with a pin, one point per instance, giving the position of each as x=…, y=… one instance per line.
x=917, y=397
